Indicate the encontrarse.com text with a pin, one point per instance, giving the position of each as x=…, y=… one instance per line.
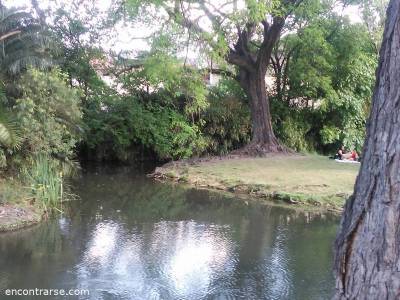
x=45, y=292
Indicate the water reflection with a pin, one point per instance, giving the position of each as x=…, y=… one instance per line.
x=116, y=262
x=131, y=238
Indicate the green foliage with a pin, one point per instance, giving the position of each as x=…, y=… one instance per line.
x=45, y=181
x=227, y=122
x=166, y=72
x=187, y=140
x=293, y=134
x=116, y=123
x=346, y=114
x=12, y=191
x=374, y=16
x=48, y=114
x=10, y=136
x=293, y=126
x=329, y=81
x=329, y=134
x=309, y=75
x=23, y=42
x=161, y=113
x=257, y=10
x=40, y=115
x=160, y=122
x=210, y=28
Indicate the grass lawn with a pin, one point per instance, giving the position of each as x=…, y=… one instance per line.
x=309, y=179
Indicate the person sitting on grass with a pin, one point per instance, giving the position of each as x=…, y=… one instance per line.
x=342, y=154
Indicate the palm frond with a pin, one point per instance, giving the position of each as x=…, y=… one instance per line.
x=9, y=131
x=14, y=21
x=18, y=63
x=28, y=47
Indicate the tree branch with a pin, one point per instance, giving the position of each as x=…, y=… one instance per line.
x=223, y=72
x=11, y=33
x=271, y=35
x=240, y=61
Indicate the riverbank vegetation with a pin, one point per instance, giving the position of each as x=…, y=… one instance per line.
x=306, y=180
x=68, y=95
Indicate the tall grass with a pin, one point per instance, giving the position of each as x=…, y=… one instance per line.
x=45, y=181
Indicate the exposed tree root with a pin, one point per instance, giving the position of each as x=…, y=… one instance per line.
x=256, y=149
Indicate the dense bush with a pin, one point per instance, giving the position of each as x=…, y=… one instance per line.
x=127, y=127
x=48, y=114
x=47, y=119
x=226, y=123
x=324, y=99
x=40, y=126
x=116, y=125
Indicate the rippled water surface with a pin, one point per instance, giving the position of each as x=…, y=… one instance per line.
x=132, y=238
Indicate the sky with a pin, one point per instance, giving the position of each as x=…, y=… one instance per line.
x=125, y=37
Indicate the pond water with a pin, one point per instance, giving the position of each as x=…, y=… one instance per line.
x=132, y=238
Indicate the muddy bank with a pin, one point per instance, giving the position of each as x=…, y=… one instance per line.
x=13, y=217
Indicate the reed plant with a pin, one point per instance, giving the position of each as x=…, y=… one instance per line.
x=45, y=180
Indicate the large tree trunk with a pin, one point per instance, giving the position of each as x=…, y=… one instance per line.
x=263, y=137
x=252, y=71
x=367, y=247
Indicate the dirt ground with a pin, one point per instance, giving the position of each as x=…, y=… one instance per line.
x=14, y=217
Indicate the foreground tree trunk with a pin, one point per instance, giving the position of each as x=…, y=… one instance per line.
x=367, y=247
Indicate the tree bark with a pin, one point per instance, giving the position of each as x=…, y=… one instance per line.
x=367, y=247
x=263, y=137
x=252, y=70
